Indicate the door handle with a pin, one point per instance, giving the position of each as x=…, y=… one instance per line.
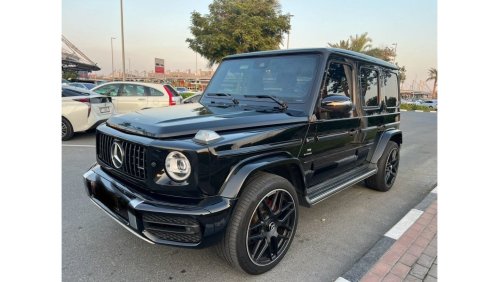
x=309, y=139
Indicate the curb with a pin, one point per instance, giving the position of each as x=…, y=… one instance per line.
x=365, y=263
x=417, y=111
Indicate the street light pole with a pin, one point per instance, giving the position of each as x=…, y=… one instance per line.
x=288, y=37
x=112, y=61
x=395, y=47
x=123, y=44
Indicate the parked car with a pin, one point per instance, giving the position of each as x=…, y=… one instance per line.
x=192, y=99
x=133, y=96
x=84, y=85
x=272, y=131
x=181, y=89
x=173, y=91
x=431, y=104
x=82, y=110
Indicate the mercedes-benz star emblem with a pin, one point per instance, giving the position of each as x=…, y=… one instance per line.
x=117, y=154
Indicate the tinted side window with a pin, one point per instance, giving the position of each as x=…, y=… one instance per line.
x=389, y=88
x=336, y=93
x=108, y=90
x=368, y=79
x=71, y=93
x=154, y=92
x=133, y=90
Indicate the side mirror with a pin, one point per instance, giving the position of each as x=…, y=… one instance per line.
x=337, y=105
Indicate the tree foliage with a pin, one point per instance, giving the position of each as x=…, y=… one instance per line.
x=362, y=44
x=69, y=74
x=237, y=26
x=433, y=75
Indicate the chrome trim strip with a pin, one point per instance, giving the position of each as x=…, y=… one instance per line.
x=368, y=128
x=342, y=187
x=327, y=137
x=135, y=202
x=391, y=124
x=258, y=148
x=93, y=200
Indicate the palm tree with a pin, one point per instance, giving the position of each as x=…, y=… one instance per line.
x=362, y=44
x=433, y=75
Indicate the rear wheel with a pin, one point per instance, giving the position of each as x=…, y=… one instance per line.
x=262, y=226
x=66, y=129
x=388, y=165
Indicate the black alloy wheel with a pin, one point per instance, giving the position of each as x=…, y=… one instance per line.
x=387, y=165
x=262, y=225
x=391, y=167
x=270, y=227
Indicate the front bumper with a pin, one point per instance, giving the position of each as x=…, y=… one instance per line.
x=158, y=222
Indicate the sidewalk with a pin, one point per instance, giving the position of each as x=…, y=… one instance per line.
x=407, y=252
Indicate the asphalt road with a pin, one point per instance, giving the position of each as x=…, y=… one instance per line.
x=330, y=238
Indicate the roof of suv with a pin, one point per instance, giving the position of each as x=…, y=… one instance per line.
x=152, y=85
x=341, y=52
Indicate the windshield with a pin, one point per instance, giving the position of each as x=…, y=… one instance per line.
x=288, y=78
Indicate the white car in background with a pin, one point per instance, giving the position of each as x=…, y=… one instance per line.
x=431, y=104
x=82, y=110
x=128, y=96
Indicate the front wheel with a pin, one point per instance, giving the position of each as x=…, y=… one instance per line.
x=262, y=226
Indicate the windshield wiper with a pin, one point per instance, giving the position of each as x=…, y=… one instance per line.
x=283, y=105
x=227, y=95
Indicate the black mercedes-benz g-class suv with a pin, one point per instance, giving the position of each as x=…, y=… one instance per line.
x=272, y=130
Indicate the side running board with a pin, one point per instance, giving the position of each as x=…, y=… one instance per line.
x=332, y=186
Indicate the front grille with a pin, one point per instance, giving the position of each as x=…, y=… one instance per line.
x=134, y=155
x=172, y=228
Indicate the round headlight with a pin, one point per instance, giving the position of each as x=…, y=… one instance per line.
x=177, y=166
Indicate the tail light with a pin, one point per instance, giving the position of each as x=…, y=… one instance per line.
x=171, y=101
x=83, y=100
x=86, y=101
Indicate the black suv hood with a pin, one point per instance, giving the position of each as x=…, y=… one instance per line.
x=189, y=118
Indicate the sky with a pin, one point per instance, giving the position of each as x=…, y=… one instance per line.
x=156, y=28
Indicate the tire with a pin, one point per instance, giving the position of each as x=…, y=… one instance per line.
x=262, y=226
x=66, y=129
x=388, y=165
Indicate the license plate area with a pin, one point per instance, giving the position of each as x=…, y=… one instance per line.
x=104, y=110
x=112, y=201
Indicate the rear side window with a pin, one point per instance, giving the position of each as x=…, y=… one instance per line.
x=71, y=93
x=154, y=92
x=368, y=79
x=389, y=88
x=108, y=90
x=133, y=90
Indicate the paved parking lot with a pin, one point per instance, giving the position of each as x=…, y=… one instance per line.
x=330, y=237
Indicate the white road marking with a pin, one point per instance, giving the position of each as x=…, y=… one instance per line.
x=341, y=279
x=68, y=145
x=419, y=111
x=404, y=110
x=403, y=225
